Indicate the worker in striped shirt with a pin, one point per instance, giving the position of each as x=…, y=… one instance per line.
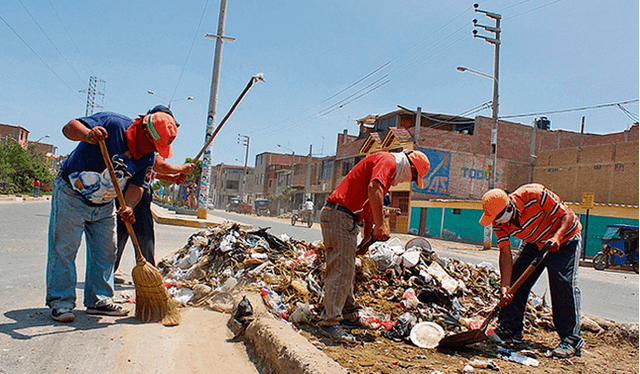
x=537, y=216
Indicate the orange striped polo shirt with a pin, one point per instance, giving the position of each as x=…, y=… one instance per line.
x=539, y=215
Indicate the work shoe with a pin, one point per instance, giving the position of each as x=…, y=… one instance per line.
x=338, y=334
x=62, y=315
x=565, y=350
x=107, y=308
x=508, y=336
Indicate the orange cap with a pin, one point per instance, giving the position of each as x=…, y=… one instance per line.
x=421, y=162
x=493, y=202
x=163, y=130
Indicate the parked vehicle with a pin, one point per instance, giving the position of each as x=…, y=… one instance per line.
x=261, y=207
x=233, y=205
x=304, y=216
x=245, y=208
x=619, y=247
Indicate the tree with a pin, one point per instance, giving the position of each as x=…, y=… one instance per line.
x=19, y=167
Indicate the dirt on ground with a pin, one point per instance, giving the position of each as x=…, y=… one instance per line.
x=612, y=351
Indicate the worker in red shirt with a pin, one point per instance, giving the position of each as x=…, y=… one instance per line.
x=359, y=197
x=36, y=188
x=538, y=217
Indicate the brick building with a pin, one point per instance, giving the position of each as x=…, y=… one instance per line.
x=17, y=133
x=227, y=182
x=459, y=151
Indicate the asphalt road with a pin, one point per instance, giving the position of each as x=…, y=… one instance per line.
x=609, y=294
x=31, y=342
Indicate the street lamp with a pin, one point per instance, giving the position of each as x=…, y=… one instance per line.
x=44, y=137
x=293, y=156
x=189, y=98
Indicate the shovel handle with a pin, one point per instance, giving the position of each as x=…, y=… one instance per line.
x=121, y=200
x=534, y=264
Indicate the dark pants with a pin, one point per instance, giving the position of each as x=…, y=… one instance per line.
x=142, y=228
x=562, y=269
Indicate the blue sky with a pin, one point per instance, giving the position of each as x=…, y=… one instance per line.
x=555, y=55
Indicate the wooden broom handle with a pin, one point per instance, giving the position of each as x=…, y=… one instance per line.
x=123, y=203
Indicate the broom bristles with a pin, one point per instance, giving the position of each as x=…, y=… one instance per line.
x=153, y=303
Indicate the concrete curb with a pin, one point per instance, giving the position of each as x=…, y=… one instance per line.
x=279, y=347
x=160, y=216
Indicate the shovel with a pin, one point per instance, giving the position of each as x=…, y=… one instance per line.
x=479, y=335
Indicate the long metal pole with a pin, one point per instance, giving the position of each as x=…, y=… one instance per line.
x=494, y=111
x=211, y=115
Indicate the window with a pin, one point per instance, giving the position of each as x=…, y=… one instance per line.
x=232, y=185
x=327, y=169
x=347, y=165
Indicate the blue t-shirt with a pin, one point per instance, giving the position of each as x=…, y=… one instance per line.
x=87, y=171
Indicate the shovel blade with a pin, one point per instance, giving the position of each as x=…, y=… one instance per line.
x=463, y=338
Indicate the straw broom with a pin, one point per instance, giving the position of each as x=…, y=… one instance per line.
x=152, y=299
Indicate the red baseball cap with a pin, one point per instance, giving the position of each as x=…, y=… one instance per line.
x=493, y=202
x=421, y=162
x=163, y=130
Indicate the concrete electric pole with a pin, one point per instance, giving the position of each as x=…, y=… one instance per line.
x=211, y=115
x=244, y=141
x=494, y=105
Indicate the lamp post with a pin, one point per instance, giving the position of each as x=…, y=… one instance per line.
x=188, y=98
x=293, y=156
x=44, y=137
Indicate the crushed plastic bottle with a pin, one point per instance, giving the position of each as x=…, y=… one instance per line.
x=274, y=302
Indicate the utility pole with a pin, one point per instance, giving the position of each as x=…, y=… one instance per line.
x=244, y=141
x=307, y=184
x=494, y=105
x=96, y=89
x=211, y=115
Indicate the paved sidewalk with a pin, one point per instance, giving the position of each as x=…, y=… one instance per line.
x=281, y=349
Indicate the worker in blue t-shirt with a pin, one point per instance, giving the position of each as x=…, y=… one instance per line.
x=82, y=202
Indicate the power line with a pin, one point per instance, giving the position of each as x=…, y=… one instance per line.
x=532, y=10
x=331, y=108
x=195, y=34
x=51, y=41
x=70, y=37
x=571, y=109
x=633, y=116
x=40, y=58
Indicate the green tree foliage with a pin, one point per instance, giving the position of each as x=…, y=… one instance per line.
x=19, y=167
x=283, y=198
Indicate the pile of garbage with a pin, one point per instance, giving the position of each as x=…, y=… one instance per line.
x=397, y=287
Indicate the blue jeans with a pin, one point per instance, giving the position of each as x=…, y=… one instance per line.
x=142, y=228
x=562, y=268
x=71, y=216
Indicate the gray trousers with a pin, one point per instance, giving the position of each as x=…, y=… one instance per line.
x=340, y=236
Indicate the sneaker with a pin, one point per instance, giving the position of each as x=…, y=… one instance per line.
x=565, y=350
x=338, y=334
x=107, y=308
x=62, y=315
x=508, y=336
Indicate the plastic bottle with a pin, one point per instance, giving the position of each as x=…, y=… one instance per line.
x=274, y=302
